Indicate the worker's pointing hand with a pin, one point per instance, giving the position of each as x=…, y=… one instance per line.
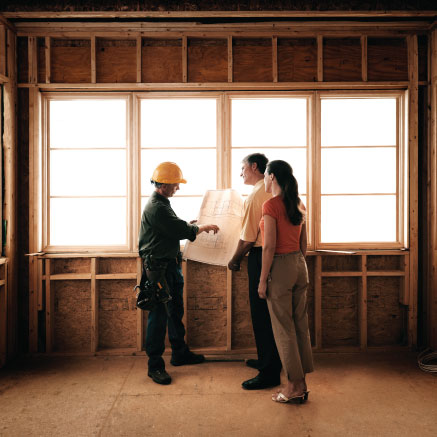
x=207, y=228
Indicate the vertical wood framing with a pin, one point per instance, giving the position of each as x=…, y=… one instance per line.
x=230, y=60
x=185, y=299
x=363, y=304
x=93, y=60
x=275, y=58
x=33, y=308
x=140, y=330
x=364, y=58
x=413, y=130
x=228, y=309
x=10, y=191
x=318, y=302
x=319, y=58
x=39, y=284
x=139, y=60
x=94, y=307
x=50, y=314
x=2, y=50
x=432, y=215
x=32, y=60
x=404, y=297
x=3, y=317
x=48, y=52
x=184, y=59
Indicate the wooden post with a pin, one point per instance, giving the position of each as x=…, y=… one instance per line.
x=318, y=302
x=228, y=309
x=10, y=191
x=48, y=52
x=319, y=58
x=364, y=58
x=432, y=214
x=139, y=60
x=275, y=58
x=50, y=313
x=94, y=308
x=363, y=304
x=140, y=330
x=33, y=306
x=184, y=59
x=3, y=317
x=32, y=60
x=413, y=130
x=230, y=60
x=93, y=60
x=3, y=49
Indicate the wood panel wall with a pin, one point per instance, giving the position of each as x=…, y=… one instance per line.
x=356, y=302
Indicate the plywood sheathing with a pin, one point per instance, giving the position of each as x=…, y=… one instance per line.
x=207, y=60
x=386, y=317
x=206, y=308
x=72, y=316
x=297, y=59
x=71, y=60
x=115, y=60
x=252, y=60
x=117, y=314
x=340, y=311
x=161, y=60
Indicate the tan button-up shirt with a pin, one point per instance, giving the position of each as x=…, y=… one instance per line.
x=252, y=213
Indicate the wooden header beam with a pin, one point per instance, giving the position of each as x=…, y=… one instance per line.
x=217, y=14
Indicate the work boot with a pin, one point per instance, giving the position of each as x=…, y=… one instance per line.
x=187, y=358
x=160, y=376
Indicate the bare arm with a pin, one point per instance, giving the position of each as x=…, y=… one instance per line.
x=242, y=248
x=303, y=240
x=268, y=253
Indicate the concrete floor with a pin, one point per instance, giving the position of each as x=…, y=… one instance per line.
x=351, y=395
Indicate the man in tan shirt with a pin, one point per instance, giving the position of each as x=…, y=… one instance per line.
x=268, y=363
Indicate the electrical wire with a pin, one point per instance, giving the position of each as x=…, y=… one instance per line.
x=427, y=361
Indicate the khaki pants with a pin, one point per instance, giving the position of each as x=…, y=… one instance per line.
x=287, y=301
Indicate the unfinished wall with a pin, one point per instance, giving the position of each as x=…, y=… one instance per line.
x=356, y=301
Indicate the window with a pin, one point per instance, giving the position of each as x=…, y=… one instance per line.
x=347, y=151
x=360, y=183
x=181, y=130
x=87, y=172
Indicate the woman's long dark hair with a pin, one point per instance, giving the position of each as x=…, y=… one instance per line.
x=290, y=193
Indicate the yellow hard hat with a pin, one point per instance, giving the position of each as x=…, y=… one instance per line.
x=168, y=173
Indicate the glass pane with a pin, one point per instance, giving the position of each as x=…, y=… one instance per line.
x=198, y=167
x=361, y=170
x=358, y=122
x=297, y=158
x=178, y=123
x=269, y=122
x=187, y=208
x=87, y=222
x=348, y=219
x=87, y=173
x=87, y=123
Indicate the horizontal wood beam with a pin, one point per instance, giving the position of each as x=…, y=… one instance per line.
x=220, y=86
x=218, y=14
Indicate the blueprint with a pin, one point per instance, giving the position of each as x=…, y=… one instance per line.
x=223, y=208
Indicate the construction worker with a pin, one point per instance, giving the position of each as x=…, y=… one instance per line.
x=159, y=247
x=268, y=363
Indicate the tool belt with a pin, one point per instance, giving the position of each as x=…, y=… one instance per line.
x=153, y=289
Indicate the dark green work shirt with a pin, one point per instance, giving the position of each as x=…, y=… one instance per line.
x=161, y=229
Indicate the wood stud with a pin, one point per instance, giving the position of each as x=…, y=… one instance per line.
x=364, y=58
x=48, y=58
x=275, y=58
x=93, y=60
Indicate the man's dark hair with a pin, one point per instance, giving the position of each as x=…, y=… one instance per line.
x=157, y=184
x=259, y=159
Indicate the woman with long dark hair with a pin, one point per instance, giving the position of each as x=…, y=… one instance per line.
x=284, y=278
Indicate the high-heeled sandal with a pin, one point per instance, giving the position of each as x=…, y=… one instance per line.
x=282, y=399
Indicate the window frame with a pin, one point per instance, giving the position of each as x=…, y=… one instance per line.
x=402, y=179
x=224, y=159
x=47, y=97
